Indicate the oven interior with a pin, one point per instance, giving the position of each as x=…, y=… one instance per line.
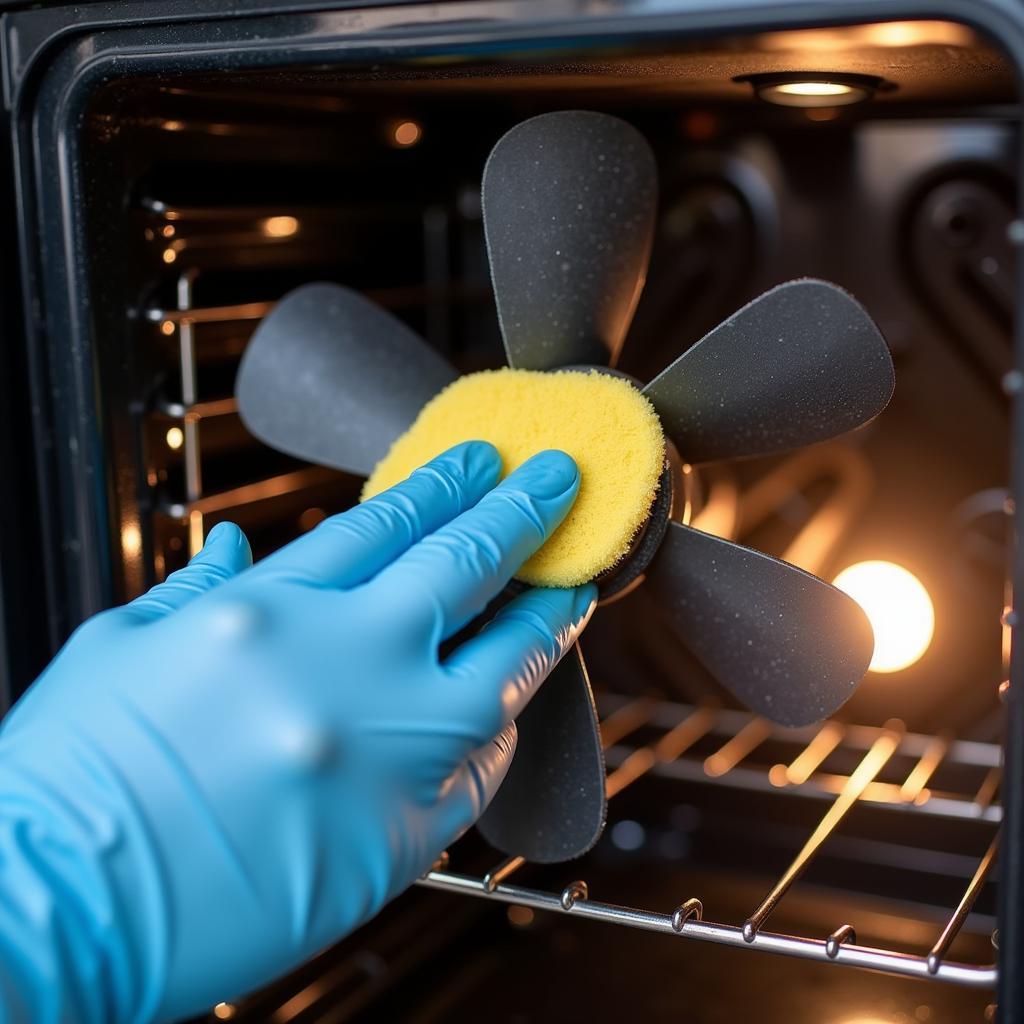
x=209, y=195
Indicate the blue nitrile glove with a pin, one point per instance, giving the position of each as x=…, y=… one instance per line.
x=219, y=779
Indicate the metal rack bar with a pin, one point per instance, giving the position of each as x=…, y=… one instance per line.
x=807, y=762
x=501, y=872
x=856, y=737
x=189, y=396
x=966, y=904
x=396, y=297
x=880, y=795
x=988, y=788
x=735, y=749
x=671, y=746
x=210, y=314
x=681, y=737
x=803, y=777
x=927, y=764
x=874, y=761
x=846, y=953
x=844, y=933
x=683, y=727
x=272, y=487
x=199, y=410
x=627, y=719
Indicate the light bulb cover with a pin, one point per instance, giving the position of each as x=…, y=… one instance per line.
x=809, y=89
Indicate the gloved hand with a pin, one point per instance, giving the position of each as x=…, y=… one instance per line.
x=217, y=780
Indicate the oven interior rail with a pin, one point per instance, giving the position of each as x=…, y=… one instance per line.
x=732, y=737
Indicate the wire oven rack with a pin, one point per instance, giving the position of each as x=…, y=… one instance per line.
x=736, y=736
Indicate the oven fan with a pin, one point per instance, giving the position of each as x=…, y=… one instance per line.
x=569, y=207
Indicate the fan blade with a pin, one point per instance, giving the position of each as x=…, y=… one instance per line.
x=551, y=806
x=788, y=645
x=568, y=204
x=802, y=363
x=331, y=377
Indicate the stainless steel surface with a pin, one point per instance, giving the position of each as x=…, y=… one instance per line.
x=805, y=776
x=956, y=922
x=737, y=735
x=874, y=761
x=851, y=955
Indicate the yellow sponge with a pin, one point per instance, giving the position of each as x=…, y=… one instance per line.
x=603, y=422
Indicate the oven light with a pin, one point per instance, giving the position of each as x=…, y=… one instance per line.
x=280, y=227
x=898, y=608
x=812, y=89
x=813, y=93
x=131, y=540
x=405, y=134
x=174, y=438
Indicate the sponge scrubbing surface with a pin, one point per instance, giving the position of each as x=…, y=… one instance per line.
x=602, y=421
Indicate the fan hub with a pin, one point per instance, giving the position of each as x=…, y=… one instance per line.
x=603, y=421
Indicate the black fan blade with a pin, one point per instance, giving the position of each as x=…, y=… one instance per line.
x=551, y=806
x=787, y=644
x=568, y=203
x=802, y=363
x=331, y=377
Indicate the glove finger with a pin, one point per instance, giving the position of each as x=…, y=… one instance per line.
x=226, y=553
x=462, y=566
x=471, y=789
x=499, y=670
x=350, y=548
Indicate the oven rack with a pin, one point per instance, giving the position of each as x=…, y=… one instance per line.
x=186, y=242
x=735, y=737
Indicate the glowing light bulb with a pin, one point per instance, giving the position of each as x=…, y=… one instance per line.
x=405, y=134
x=868, y=1020
x=813, y=89
x=175, y=437
x=131, y=540
x=280, y=227
x=898, y=608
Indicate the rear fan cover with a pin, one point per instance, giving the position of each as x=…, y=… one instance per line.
x=569, y=205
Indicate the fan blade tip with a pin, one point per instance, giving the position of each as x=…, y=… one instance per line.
x=541, y=123
x=331, y=377
x=548, y=186
x=716, y=404
x=787, y=644
x=552, y=806
x=871, y=333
